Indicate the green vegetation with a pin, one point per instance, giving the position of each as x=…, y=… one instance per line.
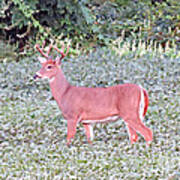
x=89, y=23
x=113, y=42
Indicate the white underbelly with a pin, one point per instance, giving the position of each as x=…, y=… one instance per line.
x=107, y=119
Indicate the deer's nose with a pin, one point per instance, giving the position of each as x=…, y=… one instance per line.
x=36, y=76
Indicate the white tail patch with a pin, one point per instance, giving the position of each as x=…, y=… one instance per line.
x=141, y=105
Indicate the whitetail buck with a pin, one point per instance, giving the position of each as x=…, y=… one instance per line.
x=94, y=105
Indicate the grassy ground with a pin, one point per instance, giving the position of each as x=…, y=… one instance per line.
x=33, y=131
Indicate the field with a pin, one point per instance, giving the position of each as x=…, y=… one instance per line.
x=33, y=131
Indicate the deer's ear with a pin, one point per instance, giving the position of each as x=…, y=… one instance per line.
x=42, y=60
x=58, y=60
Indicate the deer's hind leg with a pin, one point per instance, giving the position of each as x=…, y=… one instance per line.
x=132, y=134
x=135, y=124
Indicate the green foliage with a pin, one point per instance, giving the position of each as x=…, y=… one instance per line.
x=99, y=22
x=46, y=19
x=158, y=22
x=7, y=52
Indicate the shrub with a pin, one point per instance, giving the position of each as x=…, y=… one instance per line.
x=100, y=22
x=48, y=18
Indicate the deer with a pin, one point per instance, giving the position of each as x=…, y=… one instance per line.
x=90, y=105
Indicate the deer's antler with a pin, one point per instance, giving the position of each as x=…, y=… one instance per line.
x=62, y=51
x=46, y=55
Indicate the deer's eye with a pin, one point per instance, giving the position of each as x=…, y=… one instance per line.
x=49, y=67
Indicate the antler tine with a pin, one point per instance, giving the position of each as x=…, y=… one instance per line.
x=43, y=45
x=61, y=51
x=50, y=47
x=41, y=51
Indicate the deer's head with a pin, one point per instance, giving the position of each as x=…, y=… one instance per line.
x=50, y=65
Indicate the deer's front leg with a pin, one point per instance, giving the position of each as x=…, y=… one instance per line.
x=71, y=130
x=89, y=132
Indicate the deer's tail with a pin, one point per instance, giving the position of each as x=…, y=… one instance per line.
x=144, y=102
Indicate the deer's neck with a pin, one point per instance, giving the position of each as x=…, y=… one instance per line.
x=59, y=85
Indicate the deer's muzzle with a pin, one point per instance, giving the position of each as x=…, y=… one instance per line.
x=37, y=76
